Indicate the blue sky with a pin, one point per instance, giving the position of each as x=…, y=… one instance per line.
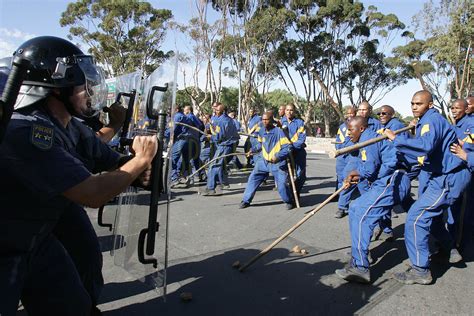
x=23, y=19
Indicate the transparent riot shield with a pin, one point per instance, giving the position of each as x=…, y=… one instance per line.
x=141, y=224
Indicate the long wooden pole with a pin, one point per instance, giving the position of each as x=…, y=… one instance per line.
x=342, y=151
x=292, y=181
x=292, y=229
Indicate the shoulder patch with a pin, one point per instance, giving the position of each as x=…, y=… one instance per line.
x=42, y=136
x=425, y=129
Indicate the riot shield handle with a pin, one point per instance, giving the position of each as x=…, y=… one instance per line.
x=100, y=220
x=141, y=247
x=149, y=104
x=10, y=93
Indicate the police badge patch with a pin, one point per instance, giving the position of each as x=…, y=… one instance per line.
x=42, y=136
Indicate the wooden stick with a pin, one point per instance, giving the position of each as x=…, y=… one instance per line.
x=335, y=153
x=292, y=181
x=292, y=229
x=210, y=161
x=191, y=127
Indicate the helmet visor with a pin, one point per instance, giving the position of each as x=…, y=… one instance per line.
x=96, y=87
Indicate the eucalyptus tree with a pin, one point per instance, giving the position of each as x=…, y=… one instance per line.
x=122, y=35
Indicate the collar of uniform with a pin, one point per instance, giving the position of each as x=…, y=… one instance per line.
x=460, y=122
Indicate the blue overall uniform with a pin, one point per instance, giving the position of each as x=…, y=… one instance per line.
x=180, y=145
x=443, y=178
x=224, y=135
x=194, y=150
x=272, y=143
x=342, y=141
x=252, y=144
x=40, y=160
x=465, y=132
x=389, y=186
x=235, y=159
x=297, y=135
x=393, y=125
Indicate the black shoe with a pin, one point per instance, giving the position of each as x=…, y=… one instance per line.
x=340, y=214
x=413, y=276
x=243, y=205
x=353, y=274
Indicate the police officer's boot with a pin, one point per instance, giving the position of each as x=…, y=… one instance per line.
x=354, y=274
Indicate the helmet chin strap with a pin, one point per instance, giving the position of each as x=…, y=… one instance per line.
x=64, y=96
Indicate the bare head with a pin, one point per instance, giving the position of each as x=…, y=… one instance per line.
x=350, y=112
x=187, y=109
x=219, y=108
x=470, y=105
x=267, y=119
x=281, y=110
x=421, y=102
x=385, y=114
x=364, y=109
x=458, y=109
x=290, y=111
x=357, y=125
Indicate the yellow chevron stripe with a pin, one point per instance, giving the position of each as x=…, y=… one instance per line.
x=421, y=160
x=425, y=129
x=469, y=139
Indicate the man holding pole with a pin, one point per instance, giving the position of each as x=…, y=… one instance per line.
x=443, y=178
x=379, y=165
x=275, y=148
x=297, y=136
x=343, y=140
x=223, y=135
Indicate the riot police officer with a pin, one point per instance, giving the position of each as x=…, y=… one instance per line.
x=43, y=175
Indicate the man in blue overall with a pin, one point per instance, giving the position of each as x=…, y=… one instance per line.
x=253, y=126
x=378, y=164
x=44, y=175
x=275, y=148
x=179, y=151
x=363, y=110
x=443, y=178
x=297, y=136
x=464, y=126
x=235, y=160
x=386, y=114
x=194, y=144
x=224, y=135
x=342, y=141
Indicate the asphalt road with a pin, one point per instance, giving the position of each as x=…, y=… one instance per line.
x=208, y=234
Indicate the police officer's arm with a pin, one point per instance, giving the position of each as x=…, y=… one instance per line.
x=116, y=118
x=97, y=190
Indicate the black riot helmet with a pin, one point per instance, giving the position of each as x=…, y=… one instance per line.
x=58, y=64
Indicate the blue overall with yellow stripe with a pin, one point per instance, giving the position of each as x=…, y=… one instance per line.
x=443, y=178
x=223, y=135
x=297, y=136
x=251, y=144
x=272, y=143
x=464, y=132
x=342, y=141
x=393, y=125
x=389, y=185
